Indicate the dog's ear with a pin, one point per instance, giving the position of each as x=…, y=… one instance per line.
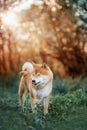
x=44, y=65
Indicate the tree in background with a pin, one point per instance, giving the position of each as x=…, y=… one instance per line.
x=79, y=10
x=46, y=32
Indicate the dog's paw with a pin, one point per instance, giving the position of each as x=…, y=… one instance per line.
x=45, y=113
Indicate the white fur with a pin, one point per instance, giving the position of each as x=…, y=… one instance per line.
x=28, y=66
x=43, y=86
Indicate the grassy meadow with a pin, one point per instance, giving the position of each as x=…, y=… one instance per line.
x=67, y=109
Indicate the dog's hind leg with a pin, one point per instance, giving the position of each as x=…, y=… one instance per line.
x=22, y=93
x=22, y=96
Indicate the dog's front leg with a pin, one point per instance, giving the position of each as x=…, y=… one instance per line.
x=46, y=104
x=23, y=94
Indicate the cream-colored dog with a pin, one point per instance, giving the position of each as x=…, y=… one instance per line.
x=38, y=83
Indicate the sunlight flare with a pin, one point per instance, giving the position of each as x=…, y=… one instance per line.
x=9, y=18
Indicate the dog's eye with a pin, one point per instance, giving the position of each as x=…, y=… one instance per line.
x=38, y=74
x=33, y=73
x=25, y=69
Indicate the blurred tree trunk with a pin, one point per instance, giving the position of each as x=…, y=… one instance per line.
x=9, y=56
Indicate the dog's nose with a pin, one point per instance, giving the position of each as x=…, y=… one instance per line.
x=33, y=81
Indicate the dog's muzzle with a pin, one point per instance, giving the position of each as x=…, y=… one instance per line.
x=35, y=83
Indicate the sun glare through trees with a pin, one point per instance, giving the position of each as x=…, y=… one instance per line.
x=42, y=31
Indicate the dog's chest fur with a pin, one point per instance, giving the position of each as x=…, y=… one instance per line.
x=42, y=93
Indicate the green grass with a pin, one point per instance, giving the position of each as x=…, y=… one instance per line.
x=75, y=121
x=66, y=112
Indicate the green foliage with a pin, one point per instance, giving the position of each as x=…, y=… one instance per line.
x=62, y=108
x=64, y=86
x=79, y=9
x=10, y=80
x=60, y=86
